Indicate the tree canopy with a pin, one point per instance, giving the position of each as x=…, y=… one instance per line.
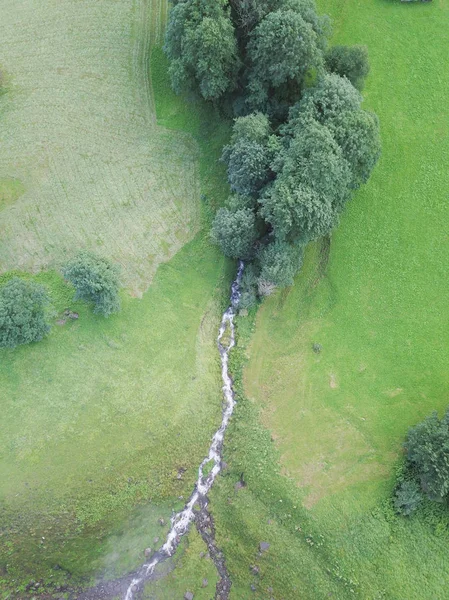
x=250, y=153
x=95, y=280
x=349, y=61
x=235, y=232
x=427, y=447
x=23, y=313
x=301, y=143
x=281, y=50
x=201, y=44
x=279, y=263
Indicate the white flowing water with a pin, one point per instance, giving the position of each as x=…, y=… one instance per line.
x=181, y=522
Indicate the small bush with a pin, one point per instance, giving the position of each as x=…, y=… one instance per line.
x=95, y=280
x=23, y=313
x=248, y=288
x=407, y=498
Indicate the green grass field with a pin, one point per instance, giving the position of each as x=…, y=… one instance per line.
x=83, y=162
x=100, y=418
x=380, y=314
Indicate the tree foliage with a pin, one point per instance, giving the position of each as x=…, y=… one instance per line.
x=301, y=143
x=235, y=232
x=279, y=263
x=330, y=97
x=427, y=448
x=250, y=153
x=201, y=43
x=282, y=49
x=23, y=313
x=95, y=280
x=331, y=146
x=349, y=61
x=407, y=498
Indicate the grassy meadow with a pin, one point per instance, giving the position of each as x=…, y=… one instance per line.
x=379, y=312
x=105, y=422
x=83, y=162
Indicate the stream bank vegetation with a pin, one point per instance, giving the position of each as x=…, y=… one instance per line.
x=301, y=143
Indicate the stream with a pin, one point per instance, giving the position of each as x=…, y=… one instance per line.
x=181, y=521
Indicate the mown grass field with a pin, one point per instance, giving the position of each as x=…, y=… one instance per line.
x=100, y=418
x=83, y=162
x=380, y=314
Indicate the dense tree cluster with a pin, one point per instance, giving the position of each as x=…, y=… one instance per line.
x=301, y=142
x=201, y=44
x=23, y=313
x=96, y=280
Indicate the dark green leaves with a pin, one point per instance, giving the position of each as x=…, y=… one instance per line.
x=95, y=280
x=23, y=313
x=235, y=232
x=250, y=154
x=282, y=49
x=200, y=41
x=427, y=447
x=349, y=61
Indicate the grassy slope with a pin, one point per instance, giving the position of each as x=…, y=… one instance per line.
x=380, y=314
x=83, y=162
x=192, y=566
x=98, y=418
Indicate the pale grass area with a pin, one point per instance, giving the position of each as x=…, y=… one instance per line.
x=78, y=134
x=328, y=462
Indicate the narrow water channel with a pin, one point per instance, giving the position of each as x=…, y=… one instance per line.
x=181, y=521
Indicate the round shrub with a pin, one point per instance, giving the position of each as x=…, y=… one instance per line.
x=23, y=313
x=95, y=280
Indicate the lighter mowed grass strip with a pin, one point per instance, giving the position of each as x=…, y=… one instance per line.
x=78, y=131
x=380, y=314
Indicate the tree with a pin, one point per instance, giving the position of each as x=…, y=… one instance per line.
x=250, y=154
x=281, y=50
x=248, y=13
x=248, y=286
x=357, y=134
x=279, y=263
x=335, y=103
x=427, y=447
x=328, y=99
x=23, y=313
x=95, y=280
x=235, y=232
x=302, y=143
x=349, y=61
x=200, y=41
x=311, y=188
